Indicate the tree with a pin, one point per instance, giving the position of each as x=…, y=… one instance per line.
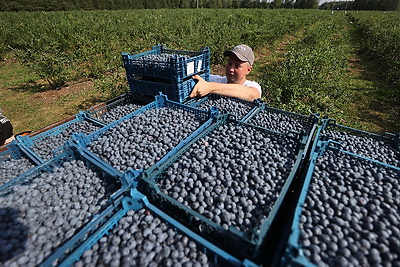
x=306, y=4
x=277, y=4
x=184, y=4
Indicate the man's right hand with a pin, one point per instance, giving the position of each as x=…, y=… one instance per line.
x=202, y=87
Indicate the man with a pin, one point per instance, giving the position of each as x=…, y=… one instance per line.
x=6, y=130
x=234, y=84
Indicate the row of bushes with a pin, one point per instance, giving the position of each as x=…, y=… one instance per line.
x=64, y=46
x=311, y=78
x=380, y=35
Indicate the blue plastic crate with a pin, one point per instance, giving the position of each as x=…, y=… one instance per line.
x=284, y=121
x=241, y=108
x=49, y=173
x=12, y=152
x=104, y=223
x=205, y=117
x=384, y=148
x=328, y=189
x=15, y=154
x=179, y=66
x=119, y=107
x=176, y=91
x=26, y=143
x=70, y=151
x=243, y=244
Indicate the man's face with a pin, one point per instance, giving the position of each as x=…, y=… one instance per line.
x=236, y=70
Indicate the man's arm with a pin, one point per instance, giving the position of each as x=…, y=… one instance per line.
x=203, y=88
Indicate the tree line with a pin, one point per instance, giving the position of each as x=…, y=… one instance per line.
x=382, y=5
x=64, y=5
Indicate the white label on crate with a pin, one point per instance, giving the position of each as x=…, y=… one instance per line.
x=190, y=68
x=199, y=65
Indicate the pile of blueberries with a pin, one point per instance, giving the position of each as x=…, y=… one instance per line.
x=11, y=168
x=237, y=107
x=141, y=141
x=41, y=214
x=364, y=145
x=282, y=122
x=351, y=213
x=142, y=239
x=232, y=176
x=118, y=111
x=44, y=148
x=164, y=62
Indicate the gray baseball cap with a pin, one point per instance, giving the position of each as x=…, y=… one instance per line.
x=243, y=53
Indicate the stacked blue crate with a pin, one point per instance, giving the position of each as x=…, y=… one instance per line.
x=166, y=71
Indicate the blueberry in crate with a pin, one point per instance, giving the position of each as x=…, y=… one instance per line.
x=50, y=204
x=117, y=108
x=171, y=64
x=236, y=106
x=13, y=162
x=42, y=145
x=142, y=138
x=347, y=213
x=384, y=148
x=227, y=183
x=134, y=232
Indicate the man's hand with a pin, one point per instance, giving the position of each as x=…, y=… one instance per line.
x=202, y=88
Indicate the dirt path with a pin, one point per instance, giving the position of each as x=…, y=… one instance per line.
x=31, y=107
x=372, y=101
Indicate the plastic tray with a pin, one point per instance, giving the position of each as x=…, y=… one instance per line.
x=109, y=218
x=176, y=91
x=13, y=152
x=285, y=122
x=303, y=123
x=369, y=145
x=241, y=244
x=161, y=101
x=251, y=106
x=26, y=142
x=295, y=255
x=180, y=66
x=71, y=151
x=68, y=154
x=126, y=99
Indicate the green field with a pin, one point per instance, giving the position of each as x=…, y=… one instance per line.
x=343, y=65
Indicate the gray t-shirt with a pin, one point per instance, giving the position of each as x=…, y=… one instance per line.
x=223, y=79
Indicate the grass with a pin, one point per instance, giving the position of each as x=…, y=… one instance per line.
x=29, y=103
x=374, y=105
x=30, y=106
